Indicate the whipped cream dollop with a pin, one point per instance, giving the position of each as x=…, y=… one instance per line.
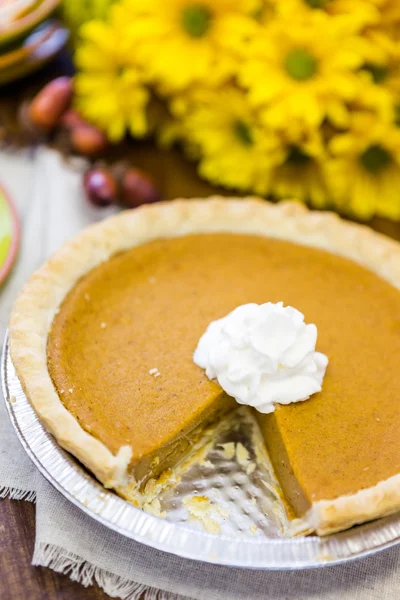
x=263, y=355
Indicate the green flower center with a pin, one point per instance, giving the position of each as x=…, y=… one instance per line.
x=300, y=64
x=196, y=20
x=121, y=70
x=379, y=72
x=316, y=3
x=375, y=158
x=297, y=156
x=258, y=12
x=243, y=133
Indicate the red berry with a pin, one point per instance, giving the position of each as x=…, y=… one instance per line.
x=100, y=187
x=51, y=102
x=87, y=139
x=70, y=119
x=137, y=188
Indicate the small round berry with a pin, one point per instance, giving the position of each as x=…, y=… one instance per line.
x=51, y=102
x=137, y=188
x=100, y=187
x=87, y=139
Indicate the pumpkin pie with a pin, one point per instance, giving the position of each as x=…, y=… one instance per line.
x=102, y=338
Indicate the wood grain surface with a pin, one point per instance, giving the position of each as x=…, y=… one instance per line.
x=18, y=579
x=176, y=178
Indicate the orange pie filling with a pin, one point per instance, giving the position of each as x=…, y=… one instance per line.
x=121, y=346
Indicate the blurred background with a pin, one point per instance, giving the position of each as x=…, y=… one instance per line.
x=277, y=98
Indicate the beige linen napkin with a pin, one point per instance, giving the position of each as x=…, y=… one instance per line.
x=49, y=197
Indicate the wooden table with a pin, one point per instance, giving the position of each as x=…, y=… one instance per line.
x=18, y=579
x=176, y=178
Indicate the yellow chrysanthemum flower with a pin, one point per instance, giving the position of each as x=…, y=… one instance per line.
x=361, y=12
x=293, y=98
x=234, y=150
x=384, y=71
x=109, y=85
x=357, y=12
x=76, y=12
x=304, y=68
x=390, y=11
x=364, y=173
x=183, y=41
x=301, y=174
x=379, y=76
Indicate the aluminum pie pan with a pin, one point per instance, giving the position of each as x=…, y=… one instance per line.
x=262, y=552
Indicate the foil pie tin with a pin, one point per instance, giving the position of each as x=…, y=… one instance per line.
x=222, y=509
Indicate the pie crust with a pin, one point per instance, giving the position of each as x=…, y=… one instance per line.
x=41, y=297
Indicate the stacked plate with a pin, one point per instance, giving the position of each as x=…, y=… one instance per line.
x=28, y=37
